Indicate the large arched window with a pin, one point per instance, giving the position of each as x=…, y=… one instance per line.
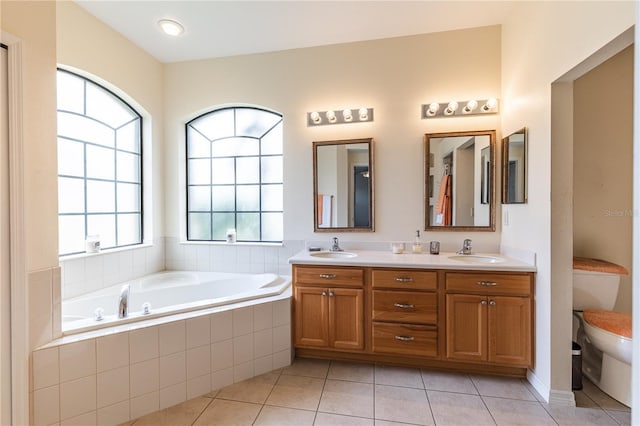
x=99, y=166
x=234, y=175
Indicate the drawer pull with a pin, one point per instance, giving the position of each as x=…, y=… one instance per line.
x=405, y=338
x=324, y=293
x=484, y=302
x=487, y=283
x=328, y=276
x=404, y=305
x=331, y=294
x=403, y=279
x=492, y=303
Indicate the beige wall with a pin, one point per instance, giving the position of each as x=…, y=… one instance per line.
x=603, y=166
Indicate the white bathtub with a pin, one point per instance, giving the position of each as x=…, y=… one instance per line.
x=167, y=293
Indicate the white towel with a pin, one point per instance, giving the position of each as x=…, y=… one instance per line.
x=325, y=221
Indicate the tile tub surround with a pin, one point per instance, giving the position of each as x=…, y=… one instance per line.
x=113, y=378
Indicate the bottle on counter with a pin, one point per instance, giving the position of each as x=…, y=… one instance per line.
x=417, y=243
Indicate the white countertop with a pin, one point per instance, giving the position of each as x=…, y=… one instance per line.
x=372, y=258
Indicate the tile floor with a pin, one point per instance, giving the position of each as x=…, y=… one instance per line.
x=314, y=392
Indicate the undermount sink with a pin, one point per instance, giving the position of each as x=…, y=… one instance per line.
x=477, y=258
x=333, y=254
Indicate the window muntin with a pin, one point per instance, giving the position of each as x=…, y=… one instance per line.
x=99, y=166
x=234, y=175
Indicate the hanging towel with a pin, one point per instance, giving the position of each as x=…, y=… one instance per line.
x=324, y=211
x=443, y=205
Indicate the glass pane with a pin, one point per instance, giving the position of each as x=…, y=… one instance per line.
x=248, y=227
x=248, y=198
x=70, y=195
x=199, y=198
x=199, y=226
x=215, y=125
x=129, y=229
x=128, y=167
x=100, y=162
x=271, y=169
x=128, y=137
x=105, y=107
x=199, y=172
x=272, y=197
x=128, y=197
x=222, y=222
x=70, y=158
x=272, y=141
x=272, y=227
x=224, y=198
x=248, y=170
x=223, y=171
x=70, y=93
x=254, y=122
x=197, y=145
x=235, y=147
x=103, y=225
x=71, y=234
x=84, y=129
x=101, y=196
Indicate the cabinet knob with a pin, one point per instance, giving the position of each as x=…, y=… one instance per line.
x=492, y=303
x=404, y=305
x=331, y=294
x=324, y=293
x=487, y=283
x=328, y=276
x=484, y=302
x=403, y=280
x=405, y=338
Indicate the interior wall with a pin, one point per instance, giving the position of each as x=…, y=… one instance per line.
x=603, y=166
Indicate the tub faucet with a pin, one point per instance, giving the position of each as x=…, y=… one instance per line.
x=334, y=245
x=466, y=247
x=123, y=306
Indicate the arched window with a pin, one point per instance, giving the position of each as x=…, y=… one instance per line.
x=99, y=166
x=234, y=175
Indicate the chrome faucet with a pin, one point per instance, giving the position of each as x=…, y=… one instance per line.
x=123, y=306
x=466, y=247
x=334, y=245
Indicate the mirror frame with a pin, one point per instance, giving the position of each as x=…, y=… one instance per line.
x=492, y=178
x=505, y=168
x=371, y=226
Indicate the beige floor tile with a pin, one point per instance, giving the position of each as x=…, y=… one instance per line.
x=354, y=372
x=398, y=376
x=400, y=404
x=582, y=400
x=254, y=390
x=622, y=417
x=601, y=398
x=296, y=392
x=458, y=409
x=533, y=391
x=349, y=398
x=182, y=414
x=448, y=382
x=229, y=413
x=327, y=419
x=566, y=416
x=379, y=422
x=279, y=416
x=502, y=387
x=517, y=412
x=308, y=367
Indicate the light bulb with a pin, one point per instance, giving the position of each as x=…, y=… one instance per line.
x=433, y=109
x=346, y=115
x=364, y=114
x=491, y=104
x=315, y=117
x=331, y=116
x=471, y=105
x=171, y=27
x=451, y=108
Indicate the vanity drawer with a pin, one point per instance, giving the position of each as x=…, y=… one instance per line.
x=406, y=339
x=404, y=279
x=489, y=283
x=405, y=306
x=328, y=276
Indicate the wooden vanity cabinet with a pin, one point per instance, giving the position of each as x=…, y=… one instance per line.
x=329, y=307
x=488, y=317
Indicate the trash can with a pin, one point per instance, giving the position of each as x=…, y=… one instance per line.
x=576, y=366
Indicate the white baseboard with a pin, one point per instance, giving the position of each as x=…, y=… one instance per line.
x=551, y=396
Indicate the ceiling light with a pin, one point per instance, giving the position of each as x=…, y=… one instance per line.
x=171, y=27
x=471, y=105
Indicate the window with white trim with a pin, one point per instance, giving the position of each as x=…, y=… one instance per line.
x=99, y=166
x=234, y=175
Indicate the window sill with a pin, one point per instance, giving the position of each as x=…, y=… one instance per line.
x=237, y=244
x=104, y=252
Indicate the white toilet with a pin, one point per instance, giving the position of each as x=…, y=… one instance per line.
x=605, y=336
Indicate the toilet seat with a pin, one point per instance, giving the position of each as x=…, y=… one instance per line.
x=618, y=323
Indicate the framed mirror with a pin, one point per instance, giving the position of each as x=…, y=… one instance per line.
x=514, y=168
x=459, y=181
x=343, y=185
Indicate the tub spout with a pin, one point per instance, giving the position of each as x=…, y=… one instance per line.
x=123, y=306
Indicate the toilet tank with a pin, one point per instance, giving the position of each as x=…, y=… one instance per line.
x=594, y=290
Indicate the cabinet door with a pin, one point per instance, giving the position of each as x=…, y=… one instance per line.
x=311, y=317
x=346, y=320
x=510, y=330
x=466, y=327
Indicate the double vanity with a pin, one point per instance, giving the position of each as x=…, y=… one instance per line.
x=470, y=313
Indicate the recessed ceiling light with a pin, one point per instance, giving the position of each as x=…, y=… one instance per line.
x=171, y=27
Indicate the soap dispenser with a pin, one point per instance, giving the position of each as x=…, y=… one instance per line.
x=417, y=244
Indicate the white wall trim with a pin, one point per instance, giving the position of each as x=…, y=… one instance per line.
x=538, y=385
x=563, y=398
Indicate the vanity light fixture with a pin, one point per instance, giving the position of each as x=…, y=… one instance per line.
x=171, y=27
x=345, y=116
x=451, y=109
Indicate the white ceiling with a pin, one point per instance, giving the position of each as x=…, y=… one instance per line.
x=227, y=28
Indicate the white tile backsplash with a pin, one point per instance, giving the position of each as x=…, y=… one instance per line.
x=172, y=337
x=198, y=361
x=242, y=321
x=143, y=344
x=198, y=331
x=113, y=386
x=242, y=349
x=173, y=395
x=145, y=404
x=262, y=316
x=46, y=405
x=86, y=419
x=173, y=369
x=221, y=355
x=112, y=351
x=262, y=343
x=77, y=397
x=46, y=371
x=114, y=414
x=198, y=386
x=77, y=360
x=144, y=377
x=221, y=326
